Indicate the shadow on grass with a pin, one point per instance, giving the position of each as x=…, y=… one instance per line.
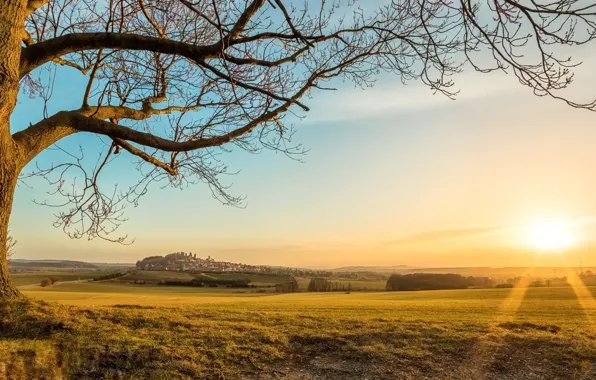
x=50, y=341
x=417, y=349
x=524, y=348
x=46, y=341
x=542, y=357
x=21, y=320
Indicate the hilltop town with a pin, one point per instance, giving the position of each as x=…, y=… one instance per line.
x=182, y=261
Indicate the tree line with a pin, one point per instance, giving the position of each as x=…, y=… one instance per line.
x=435, y=281
x=320, y=284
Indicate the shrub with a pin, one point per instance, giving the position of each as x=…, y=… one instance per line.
x=45, y=282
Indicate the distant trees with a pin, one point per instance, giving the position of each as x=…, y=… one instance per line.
x=435, y=281
x=291, y=286
x=320, y=284
x=109, y=276
x=537, y=282
x=588, y=277
x=48, y=281
x=161, y=261
x=212, y=283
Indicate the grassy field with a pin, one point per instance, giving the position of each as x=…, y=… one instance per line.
x=35, y=278
x=120, y=331
x=156, y=276
x=257, y=279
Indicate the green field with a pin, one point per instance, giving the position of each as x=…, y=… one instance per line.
x=103, y=330
x=35, y=278
x=156, y=276
x=256, y=279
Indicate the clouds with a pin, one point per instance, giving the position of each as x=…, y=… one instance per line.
x=430, y=236
x=446, y=234
x=389, y=97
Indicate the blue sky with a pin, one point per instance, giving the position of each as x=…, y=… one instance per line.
x=384, y=163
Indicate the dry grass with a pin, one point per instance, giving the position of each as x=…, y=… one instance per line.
x=466, y=334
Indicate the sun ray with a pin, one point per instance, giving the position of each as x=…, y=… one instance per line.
x=482, y=357
x=582, y=292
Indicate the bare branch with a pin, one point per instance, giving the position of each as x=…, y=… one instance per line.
x=45, y=51
x=10, y=245
x=145, y=157
x=176, y=82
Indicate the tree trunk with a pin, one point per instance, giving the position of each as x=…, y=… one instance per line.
x=12, y=18
x=7, y=187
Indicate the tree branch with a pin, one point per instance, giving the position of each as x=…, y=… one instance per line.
x=33, y=5
x=146, y=157
x=159, y=31
x=244, y=18
x=39, y=136
x=45, y=51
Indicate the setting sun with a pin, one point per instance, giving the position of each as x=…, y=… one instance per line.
x=551, y=236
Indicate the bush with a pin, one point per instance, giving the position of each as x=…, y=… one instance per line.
x=46, y=282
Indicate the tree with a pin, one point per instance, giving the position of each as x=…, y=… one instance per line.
x=175, y=83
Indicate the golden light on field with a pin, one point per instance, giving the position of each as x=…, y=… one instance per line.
x=551, y=236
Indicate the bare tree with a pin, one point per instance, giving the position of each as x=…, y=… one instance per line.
x=175, y=82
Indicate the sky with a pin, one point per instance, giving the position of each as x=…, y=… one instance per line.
x=394, y=176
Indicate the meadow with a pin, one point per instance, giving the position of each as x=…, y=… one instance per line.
x=115, y=331
x=35, y=278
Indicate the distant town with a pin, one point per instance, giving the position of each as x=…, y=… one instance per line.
x=182, y=261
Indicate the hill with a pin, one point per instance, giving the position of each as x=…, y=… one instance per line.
x=378, y=269
x=49, y=264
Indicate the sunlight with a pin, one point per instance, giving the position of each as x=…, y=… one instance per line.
x=551, y=237
x=582, y=292
x=483, y=355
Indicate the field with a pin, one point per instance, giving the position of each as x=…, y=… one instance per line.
x=92, y=330
x=35, y=278
x=256, y=279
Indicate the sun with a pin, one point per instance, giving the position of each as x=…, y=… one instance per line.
x=551, y=236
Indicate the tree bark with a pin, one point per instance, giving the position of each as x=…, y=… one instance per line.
x=12, y=17
x=7, y=187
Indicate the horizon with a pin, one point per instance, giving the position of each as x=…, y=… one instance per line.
x=581, y=266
